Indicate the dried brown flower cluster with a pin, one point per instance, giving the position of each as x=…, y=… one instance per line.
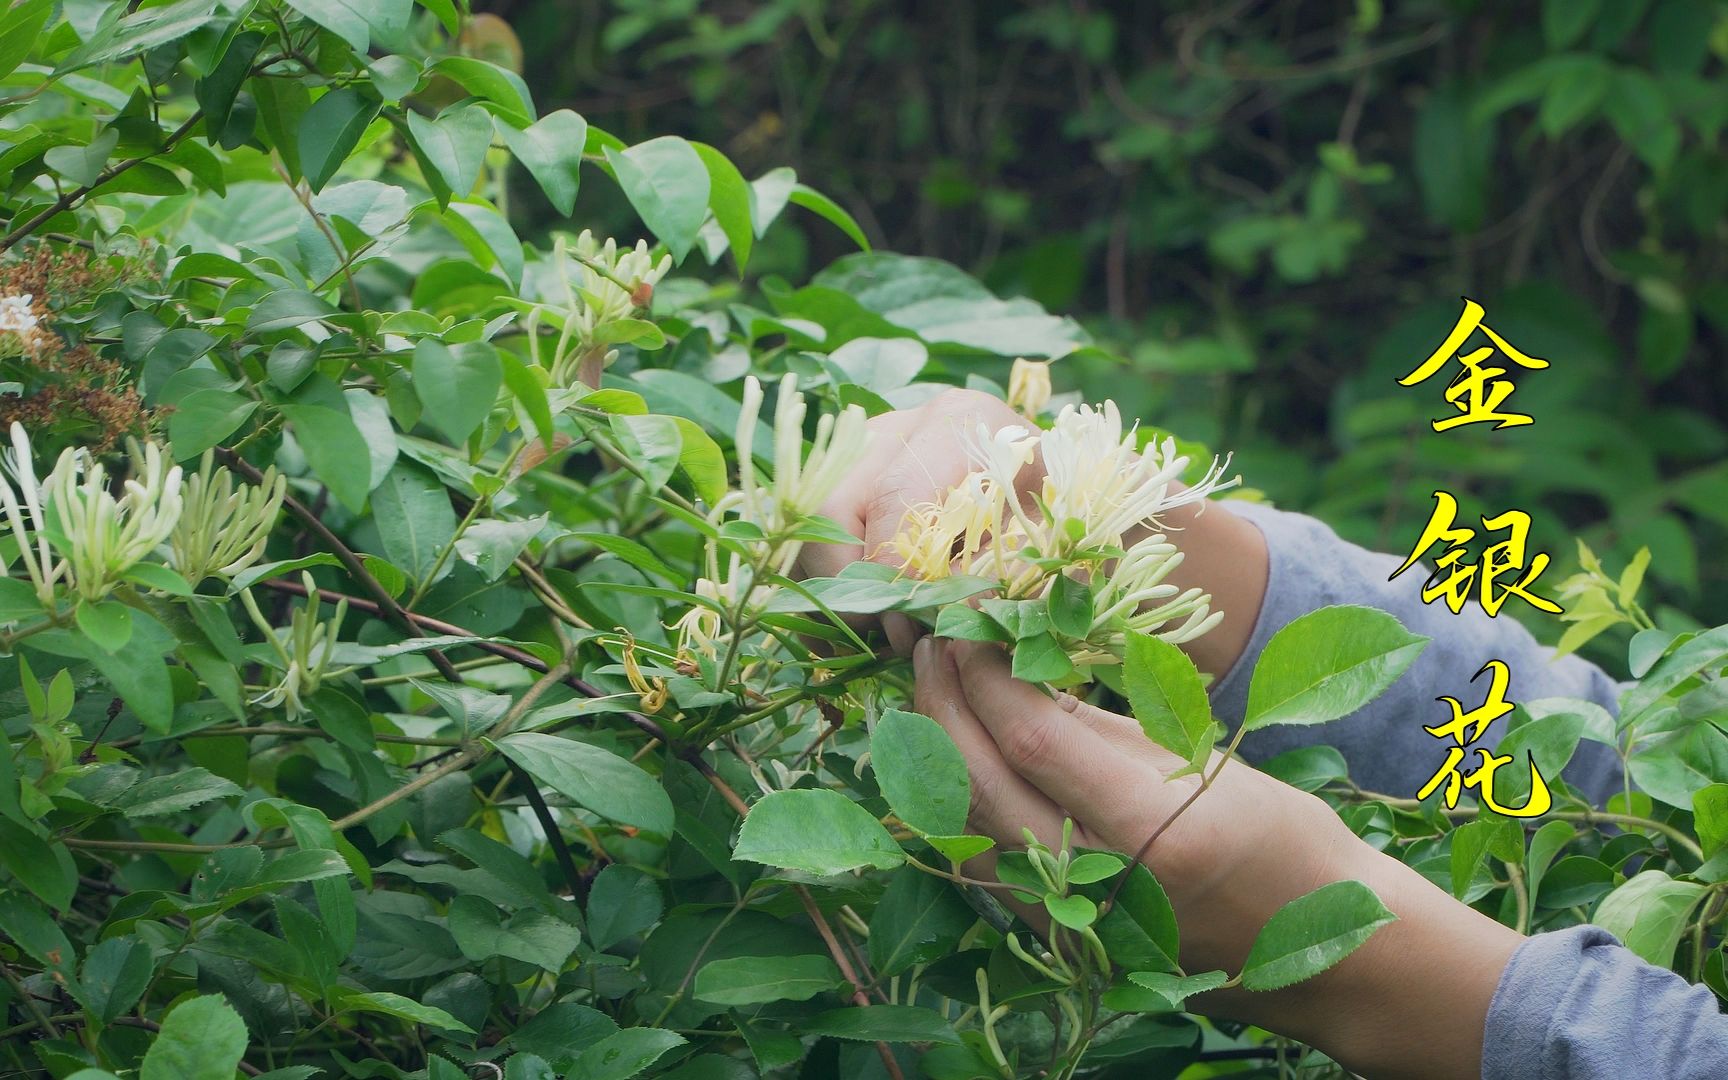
x=67, y=390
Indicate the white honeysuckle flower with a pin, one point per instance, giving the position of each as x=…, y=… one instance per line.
x=101, y=536
x=310, y=644
x=1029, y=386
x=604, y=299
x=224, y=526
x=699, y=628
x=23, y=511
x=801, y=482
x=18, y=314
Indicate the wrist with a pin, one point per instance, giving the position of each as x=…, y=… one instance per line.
x=1413, y=1000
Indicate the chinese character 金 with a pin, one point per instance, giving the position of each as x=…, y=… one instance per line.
x=1453, y=577
x=1479, y=389
x=1475, y=722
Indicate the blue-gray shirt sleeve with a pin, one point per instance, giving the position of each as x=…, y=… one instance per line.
x=1575, y=1005
x=1384, y=743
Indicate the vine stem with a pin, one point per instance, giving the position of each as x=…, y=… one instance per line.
x=841, y=961
x=1588, y=816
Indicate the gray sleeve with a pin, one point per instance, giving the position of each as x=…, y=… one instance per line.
x=1384, y=743
x=1574, y=1005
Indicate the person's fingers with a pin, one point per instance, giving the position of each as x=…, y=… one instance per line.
x=1123, y=732
x=1093, y=775
x=848, y=503
x=1003, y=803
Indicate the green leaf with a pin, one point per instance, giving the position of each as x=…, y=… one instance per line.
x=1075, y=911
x=454, y=144
x=829, y=210
x=286, y=308
x=414, y=517
x=882, y=1023
x=1175, y=989
x=1327, y=664
x=114, y=976
x=921, y=772
x=551, y=150
x=204, y=418
x=173, y=792
x=18, y=600
x=1565, y=21
x=457, y=386
x=963, y=623
x=530, y=936
x=623, y=901
x=330, y=130
x=729, y=199
x=1041, y=658
x=1313, y=932
x=20, y=26
x=489, y=82
x=756, y=980
x=1140, y=930
x=335, y=449
x=203, y=1038
x=1710, y=815
x=1070, y=607
x=356, y=21
x=595, y=779
x=817, y=831
x=667, y=182
x=108, y=624
x=403, y=1008
x=1649, y=913
x=623, y=1054
x=919, y=919
x=46, y=870
x=1167, y=696
x=1094, y=866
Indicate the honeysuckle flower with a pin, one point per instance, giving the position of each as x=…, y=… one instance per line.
x=223, y=526
x=1029, y=386
x=651, y=693
x=24, y=517
x=305, y=657
x=101, y=536
x=17, y=313
x=801, y=482
x=700, y=627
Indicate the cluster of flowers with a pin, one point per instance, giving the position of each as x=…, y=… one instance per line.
x=593, y=288
x=71, y=528
x=1095, y=516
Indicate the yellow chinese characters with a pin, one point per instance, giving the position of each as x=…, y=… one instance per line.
x=1465, y=728
x=1454, y=577
x=1479, y=389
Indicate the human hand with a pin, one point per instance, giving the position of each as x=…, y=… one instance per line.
x=1417, y=991
x=915, y=456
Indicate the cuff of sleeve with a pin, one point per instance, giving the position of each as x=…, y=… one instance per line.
x=1531, y=996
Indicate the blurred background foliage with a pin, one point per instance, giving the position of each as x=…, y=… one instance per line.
x=1266, y=213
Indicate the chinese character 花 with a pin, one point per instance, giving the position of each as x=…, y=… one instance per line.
x=1475, y=722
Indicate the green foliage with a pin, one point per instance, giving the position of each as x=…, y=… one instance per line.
x=457, y=713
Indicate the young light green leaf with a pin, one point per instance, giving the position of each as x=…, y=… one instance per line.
x=1167, y=696
x=1649, y=913
x=817, y=831
x=1175, y=989
x=1327, y=664
x=1076, y=912
x=1313, y=932
x=921, y=772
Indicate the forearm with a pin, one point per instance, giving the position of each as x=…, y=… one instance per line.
x=1413, y=1001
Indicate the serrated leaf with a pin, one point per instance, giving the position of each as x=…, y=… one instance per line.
x=817, y=831
x=1327, y=664
x=921, y=772
x=1312, y=933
